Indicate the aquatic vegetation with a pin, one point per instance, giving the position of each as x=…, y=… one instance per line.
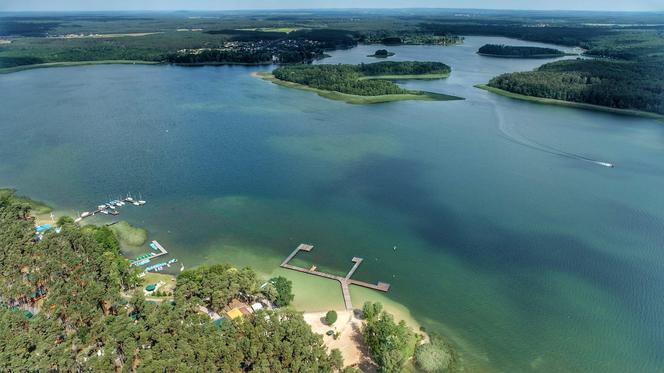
x=128, y=234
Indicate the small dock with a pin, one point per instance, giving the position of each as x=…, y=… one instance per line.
x=344, y=281
x=145, y=259
x=160, y=248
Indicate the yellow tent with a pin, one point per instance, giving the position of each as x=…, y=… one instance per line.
x=234, y=313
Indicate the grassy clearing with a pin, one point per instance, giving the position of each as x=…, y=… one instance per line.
x=360, y=100
x=38, y=208
x=154, y=278
x=578, y=105
x=8, y=70
x=128, y=234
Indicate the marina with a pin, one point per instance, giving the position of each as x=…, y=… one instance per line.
x=111, y=207
x=157, y=250
x=344, y=281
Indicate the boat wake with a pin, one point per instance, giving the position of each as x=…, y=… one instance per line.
x=512, y=134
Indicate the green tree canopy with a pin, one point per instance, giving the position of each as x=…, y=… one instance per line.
x=330, y=317
x=390, y=344
x=284, y=288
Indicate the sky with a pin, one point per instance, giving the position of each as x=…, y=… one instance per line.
x=92, y=5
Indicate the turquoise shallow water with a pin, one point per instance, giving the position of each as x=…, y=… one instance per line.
x=527, y=257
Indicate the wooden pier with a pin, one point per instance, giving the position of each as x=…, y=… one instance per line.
x=161, y=250
x=110, y=208
x=344, y=281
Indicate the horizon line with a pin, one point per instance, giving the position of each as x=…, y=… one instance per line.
x=331, y=8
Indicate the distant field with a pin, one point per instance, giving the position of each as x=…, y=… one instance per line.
x=274, y=29
x=102, y=36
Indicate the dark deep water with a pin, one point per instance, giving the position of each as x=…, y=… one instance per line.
x=527, y=257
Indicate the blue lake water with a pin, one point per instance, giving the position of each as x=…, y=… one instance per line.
x=527, y=256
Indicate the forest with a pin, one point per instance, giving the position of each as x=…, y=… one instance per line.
x=500, y=50
x=635, y=85
x=355, y=79
x=405, y=37
x=71, y=302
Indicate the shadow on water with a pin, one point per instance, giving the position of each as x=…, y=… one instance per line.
x=399, y=185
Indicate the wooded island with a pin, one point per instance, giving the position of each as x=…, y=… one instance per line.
x=510, y=51
x=382, y=53
x=364, y=83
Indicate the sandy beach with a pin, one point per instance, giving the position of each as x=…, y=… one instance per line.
x=349, y=341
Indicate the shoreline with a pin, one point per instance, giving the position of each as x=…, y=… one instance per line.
x=312, y=298
x=41, y=212
x=572, y=104
x=534, y=56
x=408, y=77
x=356, y=99
x=14, y=69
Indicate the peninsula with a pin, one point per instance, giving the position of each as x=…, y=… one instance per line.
x=362, y=84
x=626, y=87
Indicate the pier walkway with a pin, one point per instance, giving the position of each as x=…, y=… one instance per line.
x=144, y=259
x=344, y=281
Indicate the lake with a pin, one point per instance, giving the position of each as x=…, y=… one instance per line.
x=491, y=217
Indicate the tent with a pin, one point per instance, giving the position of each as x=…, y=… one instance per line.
x=256, y=306
x=43, y=228
x=234, y=313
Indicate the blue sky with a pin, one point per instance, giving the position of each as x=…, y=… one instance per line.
x=65, y=5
